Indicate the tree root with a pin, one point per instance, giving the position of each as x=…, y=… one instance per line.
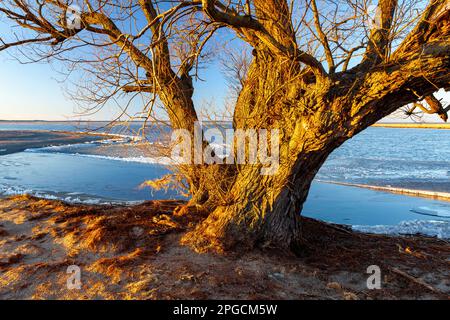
x=415, y=280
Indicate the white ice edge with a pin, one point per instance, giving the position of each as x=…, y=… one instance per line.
x=163, y=161
x=131, y=137
x=395, y=190
x=434, y=228
x=94, y=133
x=76, y=145
x=166, y=161
x=72, y=197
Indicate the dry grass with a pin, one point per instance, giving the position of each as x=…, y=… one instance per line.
x=134, y=253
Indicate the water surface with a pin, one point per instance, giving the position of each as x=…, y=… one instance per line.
x=408, y=158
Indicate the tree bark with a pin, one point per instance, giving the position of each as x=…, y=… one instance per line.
x=264, y=210
x=314, y=116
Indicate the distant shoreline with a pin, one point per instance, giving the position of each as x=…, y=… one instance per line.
x=444, y=126
x=17, y=141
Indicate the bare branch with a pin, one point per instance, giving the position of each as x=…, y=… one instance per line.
x=437, y=12
x=137, y=88
x=5, y=46
x=323, y=38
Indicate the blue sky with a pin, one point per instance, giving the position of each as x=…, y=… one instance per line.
x=37, y=92
x=31, y=92
x=34, y=92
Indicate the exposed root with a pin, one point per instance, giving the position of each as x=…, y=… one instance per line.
x=416, y=281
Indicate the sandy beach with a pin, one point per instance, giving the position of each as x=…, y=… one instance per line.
x=17, y=141
x=134, y=252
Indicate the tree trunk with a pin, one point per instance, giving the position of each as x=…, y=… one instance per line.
x=315, y=113
x=314, y=116
x=264, y=210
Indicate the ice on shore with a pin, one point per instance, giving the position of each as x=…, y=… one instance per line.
x=439, y=229
x=69, y=197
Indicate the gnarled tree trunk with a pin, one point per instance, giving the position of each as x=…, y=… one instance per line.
x=314, y=116
x=264, y=210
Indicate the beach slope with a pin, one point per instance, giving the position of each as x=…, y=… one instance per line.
x=133, y=252
x=18, y=141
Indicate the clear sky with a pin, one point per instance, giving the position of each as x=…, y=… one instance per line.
x=35, y=92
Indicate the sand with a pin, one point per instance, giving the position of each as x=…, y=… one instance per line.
x=18, y=141
x=134, y=252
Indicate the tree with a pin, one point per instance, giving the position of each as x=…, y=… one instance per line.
x=321, y=71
